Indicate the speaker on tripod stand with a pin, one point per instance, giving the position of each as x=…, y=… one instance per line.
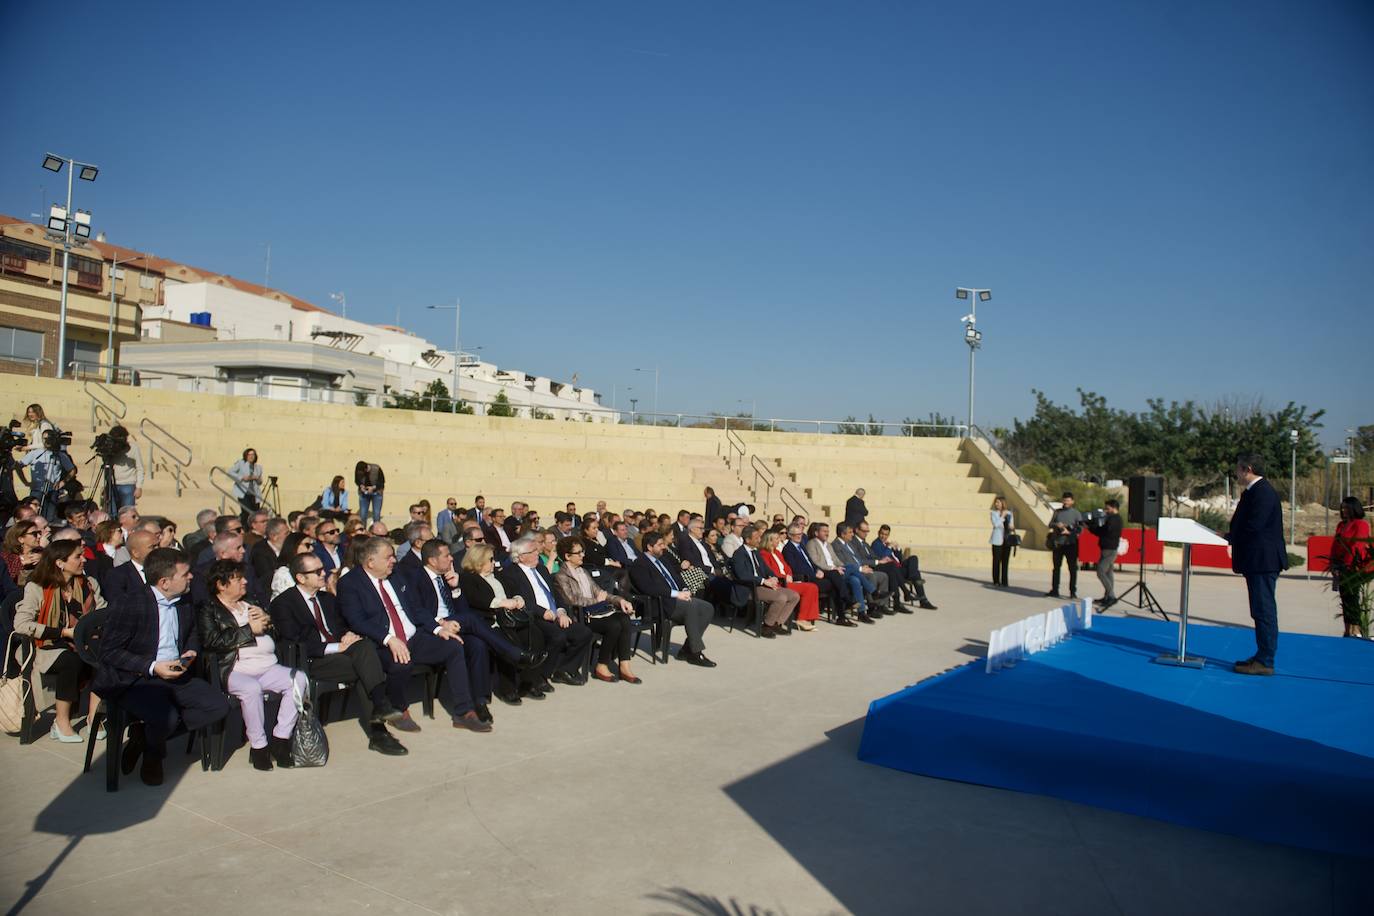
x=1144, y=495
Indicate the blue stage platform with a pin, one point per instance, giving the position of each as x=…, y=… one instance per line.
x=1285, y=759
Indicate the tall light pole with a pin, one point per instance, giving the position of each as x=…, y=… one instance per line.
x=457, y=308
x=1293, y=491
x=1350, y=454
x=65, y=223
x=972, y=336
x=655, y=372
x=343, y=303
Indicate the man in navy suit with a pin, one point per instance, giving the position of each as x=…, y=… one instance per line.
x=754, y=579
x=619, y=547
x=652, y=577
x=128, y=577
x=373, y=607
x=803, y=570
x=1258, y=553
x=147, y=646
x=327, y=535
x=431, y=591
x=855, y=510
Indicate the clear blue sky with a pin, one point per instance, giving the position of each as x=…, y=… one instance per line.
x=774, y=201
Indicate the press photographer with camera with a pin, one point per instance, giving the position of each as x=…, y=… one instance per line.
x=1065, y=525
x=124, y=461
x=54, y=472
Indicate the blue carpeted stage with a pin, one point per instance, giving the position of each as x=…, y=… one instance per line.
x=1286, y=759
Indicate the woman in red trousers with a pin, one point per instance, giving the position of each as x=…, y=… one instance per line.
x=810, y=607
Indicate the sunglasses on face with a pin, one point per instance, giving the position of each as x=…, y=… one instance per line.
x=329, y=532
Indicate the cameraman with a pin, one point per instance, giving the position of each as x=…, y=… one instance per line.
x=1065, y=525
x=1107, y=527
x=126, y=462
x=51, y=468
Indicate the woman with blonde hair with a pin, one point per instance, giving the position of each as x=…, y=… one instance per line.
x=1003, y=527
x=809, y=609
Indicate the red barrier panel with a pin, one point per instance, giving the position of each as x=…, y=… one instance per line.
x=1318, y=549
x=1128, y=554
x=1211, y=556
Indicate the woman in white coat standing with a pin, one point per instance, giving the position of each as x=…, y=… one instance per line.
x=1003, y=527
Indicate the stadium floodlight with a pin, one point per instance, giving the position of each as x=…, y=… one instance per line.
x=53, y=163
x=972, y=336
x=88, y=173
x=984, y=295
x=57, y=219
x=961, y=293
x=79, y=226
x=83, y=223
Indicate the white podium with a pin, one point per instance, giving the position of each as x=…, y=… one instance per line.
x=1187, y=532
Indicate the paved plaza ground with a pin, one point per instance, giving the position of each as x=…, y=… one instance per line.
x=697, y=792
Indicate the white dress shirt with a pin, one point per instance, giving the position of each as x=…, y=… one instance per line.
x=409, y=628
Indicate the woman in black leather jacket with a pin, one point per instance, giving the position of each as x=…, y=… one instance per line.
x=236, y=636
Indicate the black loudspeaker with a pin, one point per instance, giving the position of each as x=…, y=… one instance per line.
x=1145, y=495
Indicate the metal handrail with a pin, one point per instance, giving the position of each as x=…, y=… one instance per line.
x=114, y=409
x=761, y=470
x=224, y=494
x=37, y=361
x=792, y=503
x=734, y=444
x=1020, y=479
x=178, y=464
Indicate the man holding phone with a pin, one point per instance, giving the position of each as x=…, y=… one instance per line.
x=149, y=644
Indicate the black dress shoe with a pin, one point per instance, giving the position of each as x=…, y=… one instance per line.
x=385, y=712
x=133, y=749
x=926, y=605
x=783, y=629
x=151, y=771
x=572, y=680
x=845, y=622
x=530, y=659
x=260, y=757
x=281, y=751
x=406, y=724
x=483, y=712
x=510, y=699
x=864, y=618
x=383, y=742
x=903, y=609
x=535, y=692
x=546, y=685
x=1052, y=594
x=768, y=631
x=700, y=660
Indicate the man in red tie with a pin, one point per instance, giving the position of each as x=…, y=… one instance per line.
x=372, y=607
x=309, y=616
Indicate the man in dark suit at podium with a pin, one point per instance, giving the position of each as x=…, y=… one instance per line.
x=1258, y=553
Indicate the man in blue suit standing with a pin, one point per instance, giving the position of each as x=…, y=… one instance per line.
x=1259, y=554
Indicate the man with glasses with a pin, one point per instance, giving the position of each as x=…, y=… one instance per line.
x=565, y=640
x=327, y=535
x=888, y=575
x=257, y=528
x=471, y=535
x=309, y=616
x=655, y=578
x=446, y=521
x=803, y=570
x=416, y=534
x=735, y=539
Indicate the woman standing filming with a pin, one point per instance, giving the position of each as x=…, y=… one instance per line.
x=56, y=596
x=1003, y=527
x=1351, y=551
x=237, y=635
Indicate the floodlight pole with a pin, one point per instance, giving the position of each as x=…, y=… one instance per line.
x=973, y=337
x=457, y=327
x=66, y=266
x=1293, y=492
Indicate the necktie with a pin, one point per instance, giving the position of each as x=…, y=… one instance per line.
x=754, y=558
x=444, y=595
x=663, y=569
x=548, y=595
x=319, y=619
x=392, y=612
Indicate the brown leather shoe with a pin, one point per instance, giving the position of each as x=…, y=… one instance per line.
x=1253, y=667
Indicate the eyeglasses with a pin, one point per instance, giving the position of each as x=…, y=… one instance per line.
x=238, y=530
x=311, y=572
x=576, y=553
x=328, y=533
x=475, y=540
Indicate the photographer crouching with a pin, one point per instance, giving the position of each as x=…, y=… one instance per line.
x=123, y=462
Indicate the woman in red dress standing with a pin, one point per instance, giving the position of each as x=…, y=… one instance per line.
x=1351, y=549
x=810, y=607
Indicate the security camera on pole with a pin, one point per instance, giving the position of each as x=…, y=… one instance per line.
x=71, y=228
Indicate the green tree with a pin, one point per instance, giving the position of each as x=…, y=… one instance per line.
x=500, y=406
x=935, y=425
x=435, y=398
x=852, y=426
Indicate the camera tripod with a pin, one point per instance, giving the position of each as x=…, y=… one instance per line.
x=103, y=488
x=1145, y=598
x=271, y=497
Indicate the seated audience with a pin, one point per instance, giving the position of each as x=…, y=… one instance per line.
x=334, y=499
x=265, y=553
x=205, y=529
x=486, y=596
x=57, y=595
x=236, y=636
x=851, y=588
x=308, y=616
x=147, y=646
x=809, y=608
x=548, y=549
x=23, y=547
x=606, y=615
x=328, y=535
x=565, y=639
x=652, y=577
x=875, y=584
x=753, y=579
x=257, y=528
x=294, y=545
x=620, y=548
x=889, y=577
x=226, y=546
x=732, y=541
x=803, y=570
x=886, y=553
x=372, y=607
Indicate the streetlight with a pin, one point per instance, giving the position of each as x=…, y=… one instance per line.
x=972, y=336
x=457, y=309
x=655, y=371
x=64, y=222
x=343, y=303
x=1293, y=491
